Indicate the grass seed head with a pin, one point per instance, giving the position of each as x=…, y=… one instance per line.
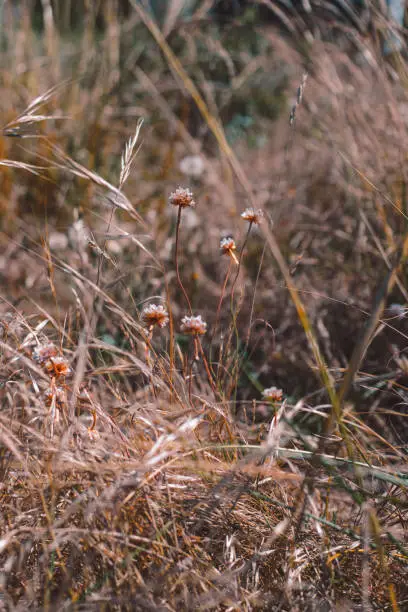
x=192, y=165
x=182, y=197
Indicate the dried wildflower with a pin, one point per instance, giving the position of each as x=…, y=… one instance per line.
x=182, y=197
x=44, y=352
x=58, y=366
x=228, y=246
x=193, y=326
x=93, y=434
x=273, y=394
x=55, y=394
x=155, y=315
x=192, y=165
x=253, y=216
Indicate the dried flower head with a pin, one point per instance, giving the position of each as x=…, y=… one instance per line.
x=253, y=216
x=58, y=366
x=44, y=352
x=155, y=315
x=57, y=395
x=192, y=165
x=273, y=394
x=182, y=197
x=228, y=246
x=193, y=326
x=93, y=434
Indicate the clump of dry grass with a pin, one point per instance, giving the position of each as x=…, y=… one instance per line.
x=178, y=429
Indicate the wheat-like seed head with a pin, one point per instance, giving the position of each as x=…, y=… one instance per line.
x=129, y=155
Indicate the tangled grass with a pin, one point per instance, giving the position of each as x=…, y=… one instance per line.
x=202, y=408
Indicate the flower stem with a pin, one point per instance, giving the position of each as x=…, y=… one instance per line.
x=217, y=316
x=177, y=260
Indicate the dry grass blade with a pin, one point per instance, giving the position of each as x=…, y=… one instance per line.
x=383, y=253
x=166, y=110
x=320, y=362
x=366, y=180
x=364, y=342
x=21, y=126
x=115, y=197
x=10, y=163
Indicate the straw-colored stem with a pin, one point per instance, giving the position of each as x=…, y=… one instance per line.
x=147, y=346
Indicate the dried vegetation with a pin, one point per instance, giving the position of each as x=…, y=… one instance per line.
x=181, y=430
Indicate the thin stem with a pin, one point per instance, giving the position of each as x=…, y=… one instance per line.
x=217, y=316
x=171, y=333
x=233, y=327
x=147, y=346
x=198, y=346
x=241, y=256
x=251, y=316
x=177, y=260
x=103, y=250
x=189, y=368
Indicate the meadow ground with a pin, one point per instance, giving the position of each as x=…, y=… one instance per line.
x=203, y=315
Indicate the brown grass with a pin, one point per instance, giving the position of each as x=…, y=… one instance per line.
x=143, y=469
